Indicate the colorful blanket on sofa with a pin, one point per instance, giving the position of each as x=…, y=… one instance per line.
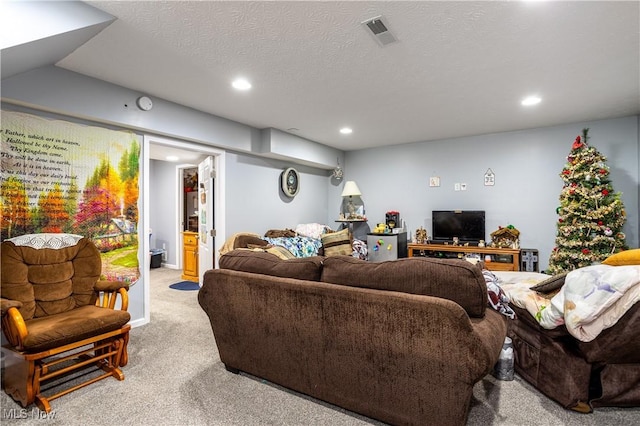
x=592, y=298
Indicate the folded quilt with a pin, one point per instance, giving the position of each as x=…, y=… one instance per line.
x=300, y=246
x=592, y=299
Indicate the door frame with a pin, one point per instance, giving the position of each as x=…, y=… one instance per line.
x=219, y=203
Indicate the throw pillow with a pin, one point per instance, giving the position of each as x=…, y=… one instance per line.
x=337, y=243
x=627, y=257
x=550, y=284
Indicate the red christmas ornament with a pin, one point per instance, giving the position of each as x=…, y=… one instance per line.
x=600, y=223
x=577, y=143
x=565, y=172
x=574, y=184
x=560, y=220
x=605, y=192
x=572, y=191
x=603, y=172
x=585, y=251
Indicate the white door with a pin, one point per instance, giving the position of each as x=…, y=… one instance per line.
x=206, y=230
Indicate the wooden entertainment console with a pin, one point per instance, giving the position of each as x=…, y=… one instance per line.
x=501, y=259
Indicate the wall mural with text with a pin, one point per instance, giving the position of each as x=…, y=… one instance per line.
x=59, y=176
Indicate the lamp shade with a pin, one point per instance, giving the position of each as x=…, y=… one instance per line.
x=350, y=189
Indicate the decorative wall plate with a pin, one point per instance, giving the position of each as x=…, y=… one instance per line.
x=489, y=178
x=290, y=182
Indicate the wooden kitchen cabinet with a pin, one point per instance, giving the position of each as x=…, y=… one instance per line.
x=190, y=256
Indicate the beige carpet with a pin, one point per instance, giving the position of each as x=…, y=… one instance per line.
x=175, y=377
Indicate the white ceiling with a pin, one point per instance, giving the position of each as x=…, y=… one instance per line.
x=184, y=156
x=459, y=68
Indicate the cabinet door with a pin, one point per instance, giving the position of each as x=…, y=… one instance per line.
x=190, y=262
x=382, y=247
x=190, y=257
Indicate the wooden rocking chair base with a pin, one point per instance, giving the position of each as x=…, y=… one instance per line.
x=25, y=373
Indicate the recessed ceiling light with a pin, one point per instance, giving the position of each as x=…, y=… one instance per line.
x=531, y=100
x=241, y=84
x=172, y=158
x=346, y=130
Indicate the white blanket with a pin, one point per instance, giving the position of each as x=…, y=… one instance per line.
x=592, y=299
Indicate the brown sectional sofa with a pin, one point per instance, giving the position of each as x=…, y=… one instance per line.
x=580, y=375
x=401, y=341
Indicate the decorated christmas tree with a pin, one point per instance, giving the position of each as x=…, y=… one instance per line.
x=591, y=214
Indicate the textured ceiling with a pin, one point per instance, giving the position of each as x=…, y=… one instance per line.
x=459, y=68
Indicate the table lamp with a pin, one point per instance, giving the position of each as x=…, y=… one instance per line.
x=351, y=189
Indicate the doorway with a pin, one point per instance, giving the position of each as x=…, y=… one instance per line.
x=164, y=203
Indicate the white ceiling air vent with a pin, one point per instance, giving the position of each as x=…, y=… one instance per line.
x=380, y=31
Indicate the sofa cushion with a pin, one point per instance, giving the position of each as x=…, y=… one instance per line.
x=259, y=262
x=71, y=326
x=337, y=243
x=456, y=280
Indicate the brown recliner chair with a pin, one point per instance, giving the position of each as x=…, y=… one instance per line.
x=57, y=316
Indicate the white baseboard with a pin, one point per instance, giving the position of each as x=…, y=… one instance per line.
x=170, y=266
x=139, y=322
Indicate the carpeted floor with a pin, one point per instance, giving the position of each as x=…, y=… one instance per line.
x=175, y=377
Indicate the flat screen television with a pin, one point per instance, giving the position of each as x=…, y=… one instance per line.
x=467, y=225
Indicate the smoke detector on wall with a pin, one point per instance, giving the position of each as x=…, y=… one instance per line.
x=377, y=27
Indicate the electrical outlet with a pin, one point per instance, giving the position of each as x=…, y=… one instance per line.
x=456, y=186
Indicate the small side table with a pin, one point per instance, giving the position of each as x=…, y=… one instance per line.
x=350, y=223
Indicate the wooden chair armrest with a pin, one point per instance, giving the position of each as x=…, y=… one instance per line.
x=14, y=327
x=107, y=298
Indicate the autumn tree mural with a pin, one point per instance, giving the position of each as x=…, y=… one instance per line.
x=52, y=213
x=16, y=217
x=44, y=164
x=100, y=201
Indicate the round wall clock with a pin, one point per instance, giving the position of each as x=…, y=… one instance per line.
x=290, y=181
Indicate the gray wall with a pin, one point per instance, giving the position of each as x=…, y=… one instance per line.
x=163, y=199
x=526, y=164
x=255, y=203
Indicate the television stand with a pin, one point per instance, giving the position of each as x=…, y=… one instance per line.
x=495, y=259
